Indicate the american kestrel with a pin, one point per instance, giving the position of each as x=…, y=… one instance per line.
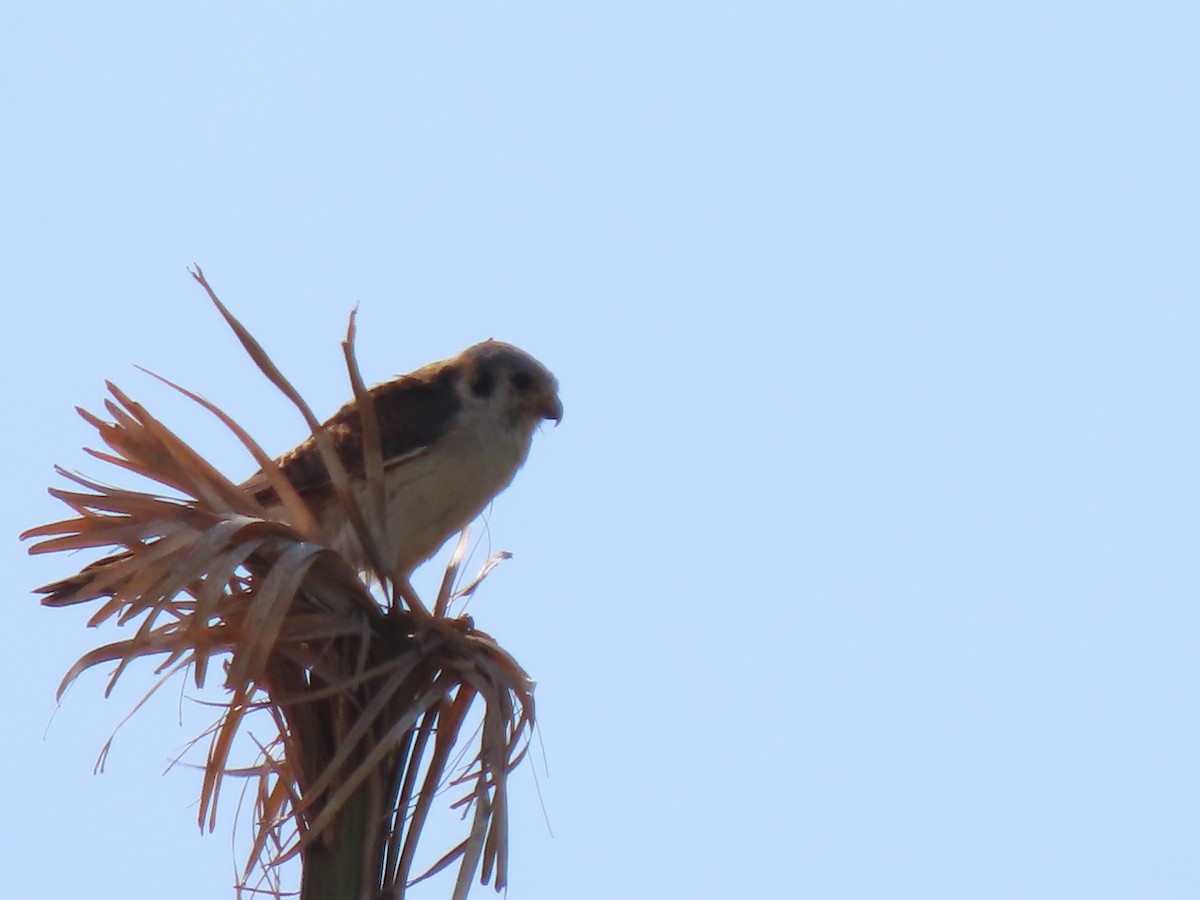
x=453, y=435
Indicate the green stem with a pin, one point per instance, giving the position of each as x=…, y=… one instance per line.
x=336, y=873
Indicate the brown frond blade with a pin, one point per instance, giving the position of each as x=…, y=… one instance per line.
x=372, y=704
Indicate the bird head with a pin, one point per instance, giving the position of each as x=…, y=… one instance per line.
x=520, y=386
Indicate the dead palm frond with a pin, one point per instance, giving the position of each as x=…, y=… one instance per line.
x=369, y=693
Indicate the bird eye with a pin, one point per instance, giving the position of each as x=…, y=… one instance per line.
x=521, y=381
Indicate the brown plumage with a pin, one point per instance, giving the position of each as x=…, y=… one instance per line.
x=453, y=434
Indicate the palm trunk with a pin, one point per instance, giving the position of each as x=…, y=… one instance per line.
x=336, y=872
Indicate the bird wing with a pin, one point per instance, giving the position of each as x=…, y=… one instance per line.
x=413, y=412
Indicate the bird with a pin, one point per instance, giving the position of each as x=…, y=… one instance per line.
x=453, y=435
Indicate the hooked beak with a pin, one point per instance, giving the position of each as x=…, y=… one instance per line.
x=552, y=409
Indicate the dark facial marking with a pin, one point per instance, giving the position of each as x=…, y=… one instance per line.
x=484, y=383
x=521, y=381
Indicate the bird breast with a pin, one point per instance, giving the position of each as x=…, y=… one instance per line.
x=436, y=492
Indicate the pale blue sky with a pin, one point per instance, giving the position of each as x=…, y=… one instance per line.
x=864, y=562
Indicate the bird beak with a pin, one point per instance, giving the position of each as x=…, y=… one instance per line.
x=552, y=409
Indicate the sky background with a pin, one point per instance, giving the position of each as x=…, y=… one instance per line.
x=863, y=564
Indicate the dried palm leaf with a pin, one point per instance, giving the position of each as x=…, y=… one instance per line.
x=369, y=693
